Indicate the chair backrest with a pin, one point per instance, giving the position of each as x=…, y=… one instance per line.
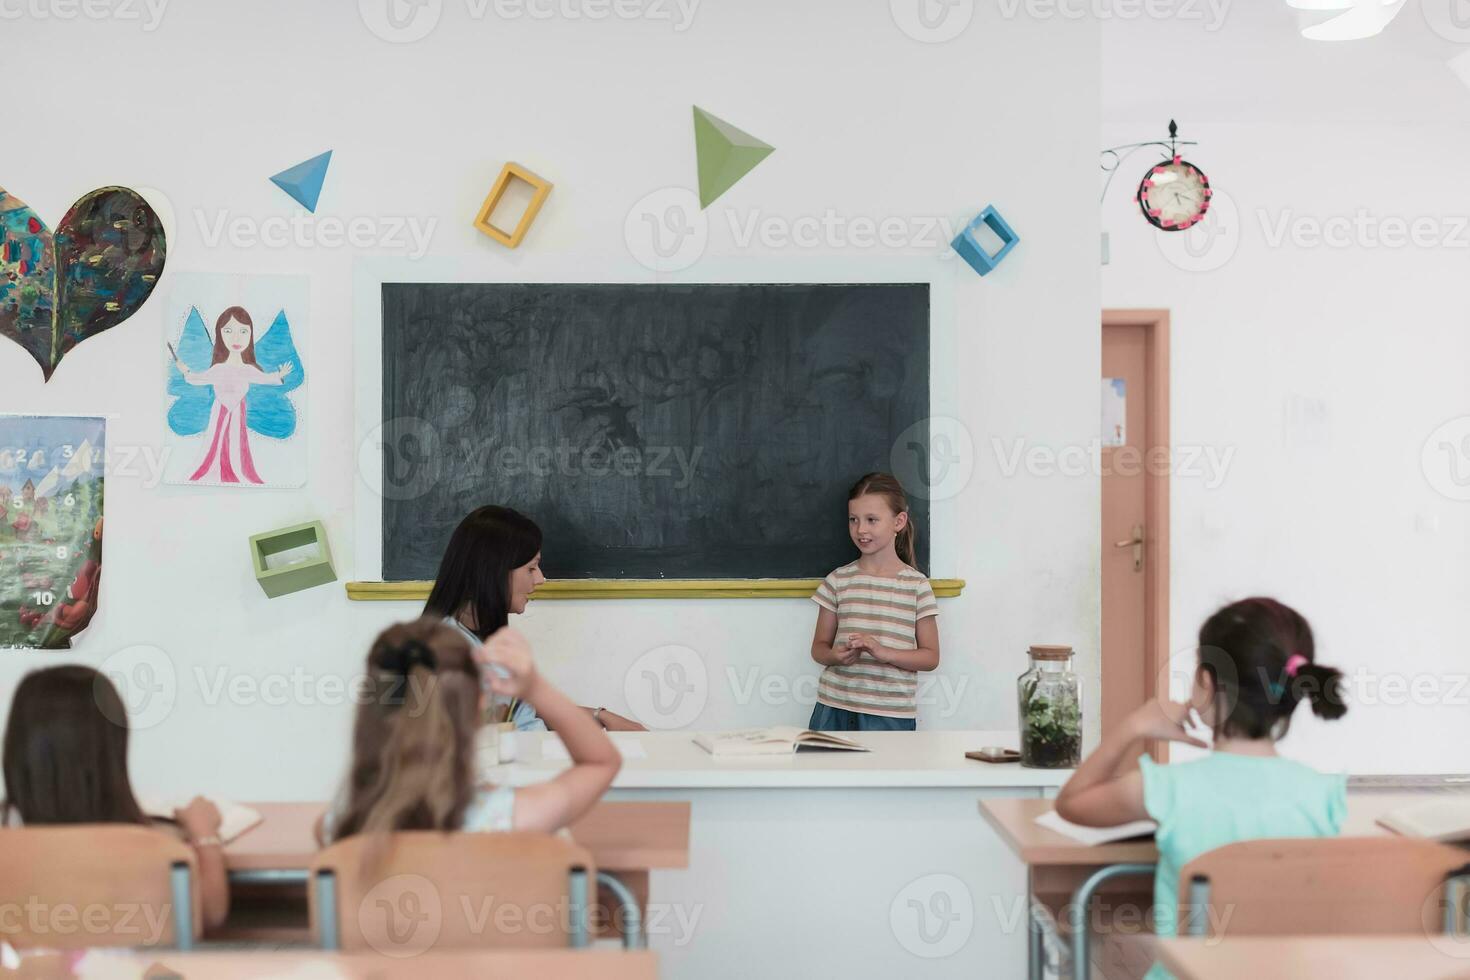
x=451, y=890
x=96, y=885
x=1321, y=886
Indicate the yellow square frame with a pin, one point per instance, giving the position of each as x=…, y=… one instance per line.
x=513, y=238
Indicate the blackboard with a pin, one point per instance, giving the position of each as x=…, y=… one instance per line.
x=652, y=431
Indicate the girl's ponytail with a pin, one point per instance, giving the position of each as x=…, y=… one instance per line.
x=1322, y=686
x=905, y=543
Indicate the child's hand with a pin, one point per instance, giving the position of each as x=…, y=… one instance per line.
x=512, y=669
x=868, y=643
x=199, y=819
x=845, y=653
x=1158, y=718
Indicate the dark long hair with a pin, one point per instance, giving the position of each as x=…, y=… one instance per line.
x=413, y=744
x=66, y=750
x=489, y=544
x=221, y=352
x=886, y=485
x=1247, y=648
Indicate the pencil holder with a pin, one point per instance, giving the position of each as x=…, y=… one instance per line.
x=290, y=559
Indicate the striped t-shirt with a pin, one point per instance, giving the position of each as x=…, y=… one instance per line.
x=890, y=609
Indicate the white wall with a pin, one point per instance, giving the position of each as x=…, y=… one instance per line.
x=867, y=122
x=1322, y=367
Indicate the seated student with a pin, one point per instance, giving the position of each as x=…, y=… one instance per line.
x=413, y=752
x=490, y=569
x=66, y=762
x=1256, y=664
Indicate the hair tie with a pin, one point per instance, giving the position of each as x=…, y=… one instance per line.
x=1294, y=663
x=400, y=662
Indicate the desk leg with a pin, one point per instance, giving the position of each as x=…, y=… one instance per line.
x=1035, y=948
x=610, y=925
x=1081, y=900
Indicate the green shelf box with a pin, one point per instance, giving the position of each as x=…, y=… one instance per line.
x=290, y=559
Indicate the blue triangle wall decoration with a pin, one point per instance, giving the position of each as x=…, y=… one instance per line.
x=304, y=181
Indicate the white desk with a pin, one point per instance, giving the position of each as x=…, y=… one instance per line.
x=831, y=863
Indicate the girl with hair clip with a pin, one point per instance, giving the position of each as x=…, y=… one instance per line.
x=877, y=625
x=66, y=762
x=413, y=747
x=1257, y=663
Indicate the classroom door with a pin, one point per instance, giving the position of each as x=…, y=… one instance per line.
x=1135, y=509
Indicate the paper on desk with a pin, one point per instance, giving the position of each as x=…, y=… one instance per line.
x=235, y=818
x=1093, y=836
x=628, y=745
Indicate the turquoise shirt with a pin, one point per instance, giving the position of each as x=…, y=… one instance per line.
x=1223, y=798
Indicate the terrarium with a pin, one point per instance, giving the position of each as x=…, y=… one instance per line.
x=1050, y=710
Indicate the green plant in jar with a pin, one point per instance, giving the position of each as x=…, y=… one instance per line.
x=1050, y=710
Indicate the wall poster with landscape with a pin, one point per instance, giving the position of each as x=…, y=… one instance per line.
x=51, y=475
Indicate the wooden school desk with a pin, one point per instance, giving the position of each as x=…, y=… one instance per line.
x=1056, y=864
x=871, y=863
x=573, y=964
x=1338, y=957
x=627, y=840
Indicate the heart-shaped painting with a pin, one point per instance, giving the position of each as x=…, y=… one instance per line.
x=57, y=290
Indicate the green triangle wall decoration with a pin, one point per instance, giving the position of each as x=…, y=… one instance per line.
x=725, y=154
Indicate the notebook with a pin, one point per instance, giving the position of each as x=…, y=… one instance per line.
x=1092, y=836
x=1440, y=819
x=780, y=740
x=235, y=818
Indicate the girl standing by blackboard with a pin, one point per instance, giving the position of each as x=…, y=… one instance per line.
x=877, y=628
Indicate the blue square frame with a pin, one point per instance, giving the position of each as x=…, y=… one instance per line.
x=970, y=249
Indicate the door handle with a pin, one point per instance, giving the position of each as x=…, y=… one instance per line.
x=1136, y=543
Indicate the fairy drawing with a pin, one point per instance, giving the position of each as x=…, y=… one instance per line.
x=231, y=386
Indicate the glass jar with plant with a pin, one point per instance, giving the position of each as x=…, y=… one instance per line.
x=1050, y=710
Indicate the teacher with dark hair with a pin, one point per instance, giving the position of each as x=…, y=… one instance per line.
x=489, y=570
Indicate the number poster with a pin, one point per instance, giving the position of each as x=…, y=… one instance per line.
x=51, y=471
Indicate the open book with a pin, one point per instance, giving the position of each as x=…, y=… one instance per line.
x=1441, y=820
x=1093, y=836
x=235, y=819
x=779, y=740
